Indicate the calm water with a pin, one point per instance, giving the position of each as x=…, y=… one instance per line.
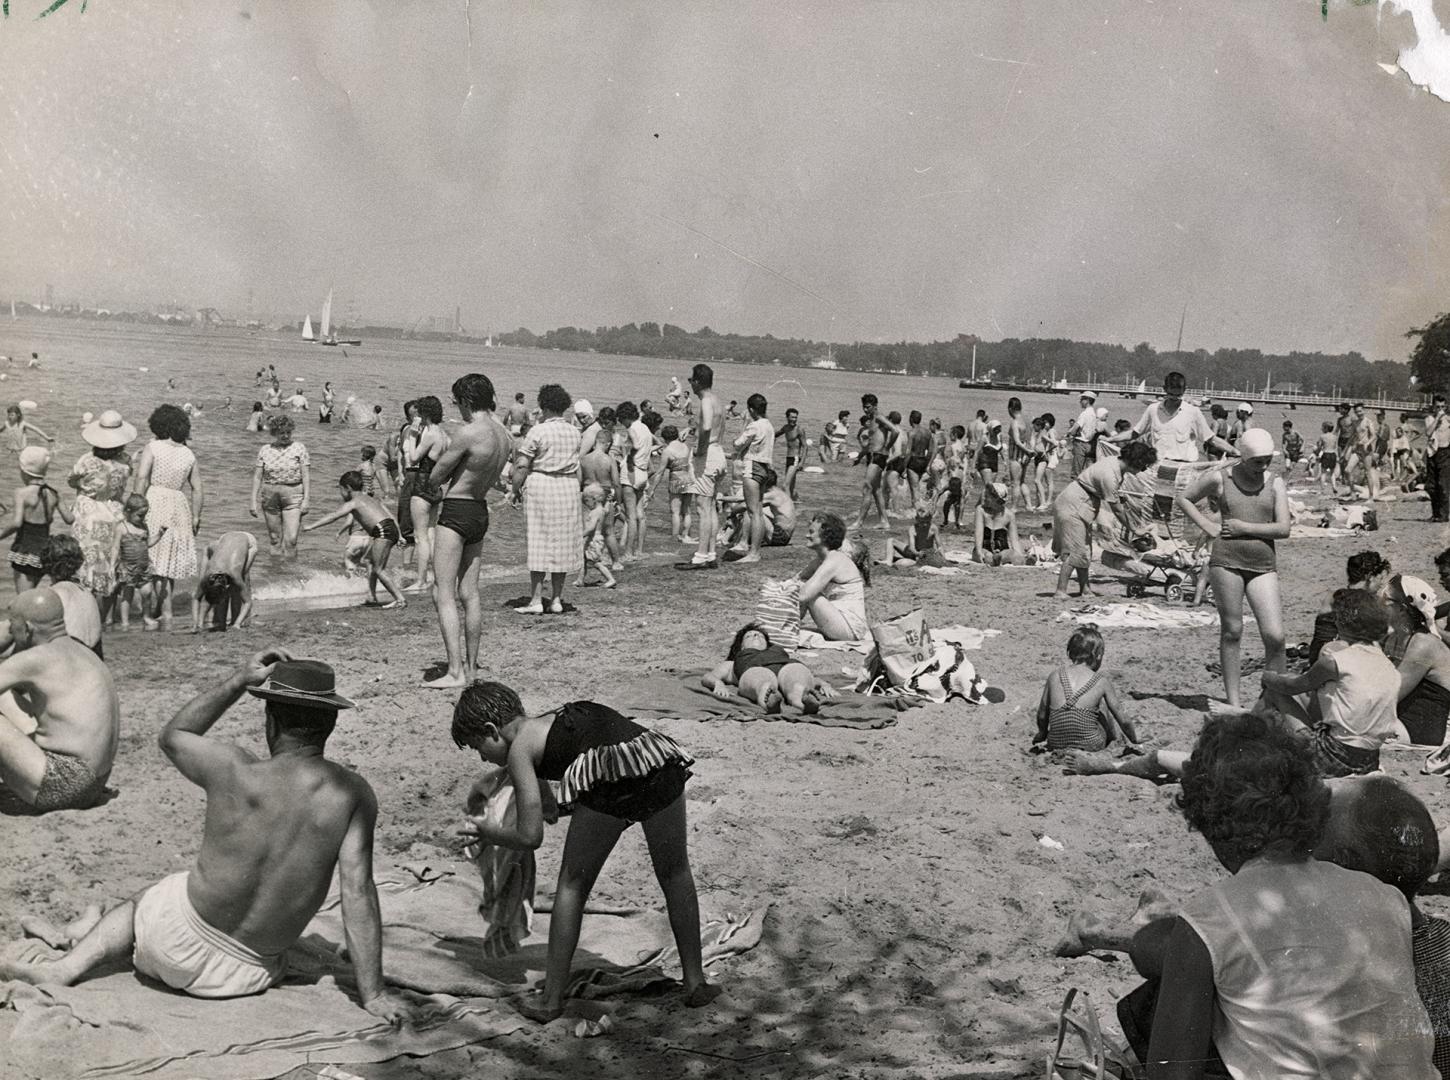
x=95, y=366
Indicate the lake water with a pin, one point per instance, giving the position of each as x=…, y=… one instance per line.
x=89, y=367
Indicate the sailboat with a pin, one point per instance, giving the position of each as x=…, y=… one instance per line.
x=13, y=316
x=328, y=337
x=307, y=334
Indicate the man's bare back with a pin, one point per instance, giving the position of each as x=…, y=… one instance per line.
x=274, y=828
x=69, y=692
x=597, y=467
x=475, y=458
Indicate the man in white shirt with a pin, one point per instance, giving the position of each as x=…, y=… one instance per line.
x=1082, y=431
x=1179, y=433
x=634, y=478
x=756, y=444
x=1437, y=465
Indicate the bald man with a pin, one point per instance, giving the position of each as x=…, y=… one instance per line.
x=57, y=755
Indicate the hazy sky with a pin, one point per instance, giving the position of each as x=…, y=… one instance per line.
x=868, y=171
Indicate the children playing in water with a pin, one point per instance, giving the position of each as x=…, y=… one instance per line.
x=375, y=479
x=1079, y=710
x=596, y=524
x=612, y=773
x=36, y=504
x=15, y=432
x=374, y=519
x=766, y=674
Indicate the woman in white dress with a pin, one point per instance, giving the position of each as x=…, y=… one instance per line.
x=173, y=517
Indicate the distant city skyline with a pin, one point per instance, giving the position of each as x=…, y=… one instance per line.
x=842, y=172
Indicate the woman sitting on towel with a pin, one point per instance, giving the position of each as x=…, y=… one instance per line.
x=1424, y=702
x=1077, y=507
x=923, y=544
x=834, y=593
x=996, y=529
x=766, y=674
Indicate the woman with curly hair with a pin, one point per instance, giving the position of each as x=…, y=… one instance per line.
x=423, y=504
x=172, y=518
x=281, y=486
x=1237, y=977
x=763, y=672
x=834, y=589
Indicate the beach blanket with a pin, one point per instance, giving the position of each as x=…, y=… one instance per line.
x=1312, y=532
x=1142, y=616
x=682, y=697
x=810, y=639
x=120, y=1025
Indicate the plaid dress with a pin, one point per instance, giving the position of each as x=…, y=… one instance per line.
x=551, y=497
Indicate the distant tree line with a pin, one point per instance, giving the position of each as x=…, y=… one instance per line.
x=1016, y=360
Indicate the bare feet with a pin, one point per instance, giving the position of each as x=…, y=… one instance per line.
x=399, y=603
x=1060, y=595
x=29, y=961
x=446, y=681
x=772, y=703
x=534, y=608
x=703, y=994
x=755, y=557
x=810, y=704
x=533, y=1007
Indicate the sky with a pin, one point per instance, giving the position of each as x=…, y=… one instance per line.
x=834, y=170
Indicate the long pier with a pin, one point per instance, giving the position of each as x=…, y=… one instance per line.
x=1257, y=397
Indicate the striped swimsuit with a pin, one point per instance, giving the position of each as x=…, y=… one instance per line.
x=1072, y=728
x=608, y=763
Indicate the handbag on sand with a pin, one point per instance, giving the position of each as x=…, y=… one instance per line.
x=903, y=643
x=1099, y=1061
x=779, y=611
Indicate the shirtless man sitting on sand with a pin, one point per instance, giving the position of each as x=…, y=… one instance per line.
x=56, y=753
x=224, y=582
x=275, y=830
x=471, y=466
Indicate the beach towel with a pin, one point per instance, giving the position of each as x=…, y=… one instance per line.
x=683, y=697
x=1142, y=616
x=507, y=876
x=1314, y=532
x=810, y=639
x=943, y=676
x=121, y=1026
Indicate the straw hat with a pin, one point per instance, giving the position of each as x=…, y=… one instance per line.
x=309, y=683
x=34, y=461
x=108, y=431
x=1088, y=394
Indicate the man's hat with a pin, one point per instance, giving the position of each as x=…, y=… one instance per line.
x=309, y=683
x=1090, y=395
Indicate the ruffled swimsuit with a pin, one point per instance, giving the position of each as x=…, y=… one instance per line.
x=610, y=764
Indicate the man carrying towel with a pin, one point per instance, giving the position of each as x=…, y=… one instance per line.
x=275, y=829
x=60, y=720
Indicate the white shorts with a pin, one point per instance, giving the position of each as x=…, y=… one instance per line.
x=176, y=946
x=715, y=471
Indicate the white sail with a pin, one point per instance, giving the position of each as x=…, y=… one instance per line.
x=1142, y=387
x=326, y=316
x=12, y=310
x=307, y=329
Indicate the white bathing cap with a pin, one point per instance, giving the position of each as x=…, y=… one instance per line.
x=1256, y=442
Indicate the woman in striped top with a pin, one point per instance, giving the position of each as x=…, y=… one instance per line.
x=1079, y=709
x=611, y=773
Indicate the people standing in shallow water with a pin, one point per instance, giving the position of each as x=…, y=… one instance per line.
x=166, y=466
x=282, y=486
x=612, y=773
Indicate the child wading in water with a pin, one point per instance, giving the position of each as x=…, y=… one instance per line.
x=1079, y=709
x=17, y=430
x=373, y=517
x=36, y=504
x=613, y=773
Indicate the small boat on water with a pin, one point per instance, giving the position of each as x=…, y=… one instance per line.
x=328, y=337
x=307, y=334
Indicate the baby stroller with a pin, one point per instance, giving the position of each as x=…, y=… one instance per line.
x=1146, y=548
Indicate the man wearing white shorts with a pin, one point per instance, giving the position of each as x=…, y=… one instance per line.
x=710, y=467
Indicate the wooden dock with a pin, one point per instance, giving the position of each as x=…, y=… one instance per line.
x=1259, y=397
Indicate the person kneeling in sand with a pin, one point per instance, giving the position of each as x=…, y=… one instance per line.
x=224, y=583
x=767, y=675
x=61, y=720
x=275, y=830
x=379, y=524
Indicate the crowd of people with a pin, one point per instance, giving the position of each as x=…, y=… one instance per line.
x=1255, y=783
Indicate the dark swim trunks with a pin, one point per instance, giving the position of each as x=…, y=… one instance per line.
x=917, y=464
x=469, y=519
x=877, y=459
x=387, y=529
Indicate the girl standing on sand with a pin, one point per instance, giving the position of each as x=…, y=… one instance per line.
x=1254, y=511
x=612, y=773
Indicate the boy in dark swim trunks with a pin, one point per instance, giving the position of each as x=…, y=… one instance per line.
x=374, y=519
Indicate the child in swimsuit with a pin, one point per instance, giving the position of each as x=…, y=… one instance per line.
x=380, y=525
x=1079, y=709
x=1326, y=455
x=133, y=578
x=17, y=430
x=766, y=674
x=596, y=520
x=375, y=480
x=36, y=504
x=612, y=773
x=996, y=528
x=923, y=545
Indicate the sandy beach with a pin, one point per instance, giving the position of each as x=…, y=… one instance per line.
x=913, y=900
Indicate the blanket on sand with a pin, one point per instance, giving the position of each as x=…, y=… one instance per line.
x=121, y=1024
x=682, y=697
x=1142, y=616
